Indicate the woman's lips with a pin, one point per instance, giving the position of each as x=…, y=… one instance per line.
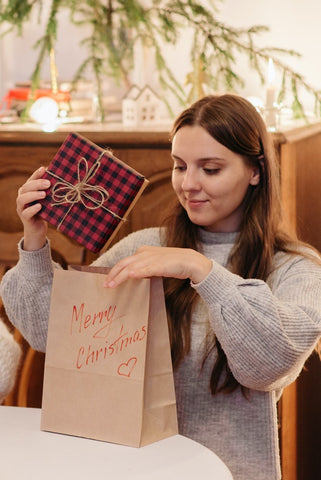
x=195, y=202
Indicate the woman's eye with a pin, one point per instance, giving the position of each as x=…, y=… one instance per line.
x=211, y=171
x=180, y=168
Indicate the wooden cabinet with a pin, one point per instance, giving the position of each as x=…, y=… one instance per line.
x=299, y=151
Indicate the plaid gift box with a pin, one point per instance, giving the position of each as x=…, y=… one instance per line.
x=91, y=192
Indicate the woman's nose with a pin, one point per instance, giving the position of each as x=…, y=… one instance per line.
x=190, y=180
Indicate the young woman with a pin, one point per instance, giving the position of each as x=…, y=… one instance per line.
x=243, y=297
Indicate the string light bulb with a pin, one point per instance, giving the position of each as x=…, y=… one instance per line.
x=45, y=111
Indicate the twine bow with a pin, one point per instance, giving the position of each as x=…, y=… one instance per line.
x=66, y=192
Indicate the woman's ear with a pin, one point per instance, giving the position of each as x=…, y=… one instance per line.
x=255, y=177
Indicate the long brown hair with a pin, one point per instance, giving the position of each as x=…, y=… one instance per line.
x=235, y=123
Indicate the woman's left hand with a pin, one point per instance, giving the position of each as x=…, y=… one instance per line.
x=160, y=262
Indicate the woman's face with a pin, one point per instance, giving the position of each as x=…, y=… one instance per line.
x=210, y=180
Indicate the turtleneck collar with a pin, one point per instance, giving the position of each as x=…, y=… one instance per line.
x=217, y=237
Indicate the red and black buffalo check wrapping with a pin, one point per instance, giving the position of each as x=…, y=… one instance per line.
x=91, y=192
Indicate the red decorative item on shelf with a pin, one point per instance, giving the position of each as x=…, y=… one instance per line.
x=24, y=94
x=91, y=192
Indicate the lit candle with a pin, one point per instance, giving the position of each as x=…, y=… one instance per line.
x=270, y=96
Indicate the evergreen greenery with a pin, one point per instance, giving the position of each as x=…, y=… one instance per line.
x=117, y=25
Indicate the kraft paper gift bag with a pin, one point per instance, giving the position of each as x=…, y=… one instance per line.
x=108, y=371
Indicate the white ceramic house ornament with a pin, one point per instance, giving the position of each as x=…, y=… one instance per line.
x=140, y=107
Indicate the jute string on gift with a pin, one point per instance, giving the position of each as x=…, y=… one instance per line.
x=66, y=192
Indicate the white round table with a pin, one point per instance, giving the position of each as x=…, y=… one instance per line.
x=28, y=453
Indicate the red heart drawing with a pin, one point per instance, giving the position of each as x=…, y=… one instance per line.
x=125, y=369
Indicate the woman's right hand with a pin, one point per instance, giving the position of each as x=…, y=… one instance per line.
x=35, y=228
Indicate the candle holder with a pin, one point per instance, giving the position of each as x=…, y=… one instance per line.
x=271, y=117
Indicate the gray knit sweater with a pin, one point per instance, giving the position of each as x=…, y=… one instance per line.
x=267, y=331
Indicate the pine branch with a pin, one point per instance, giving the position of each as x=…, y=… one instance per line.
x=116, y=26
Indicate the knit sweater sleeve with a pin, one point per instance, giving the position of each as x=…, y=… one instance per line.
x=10, y=354
x=25, y=290
x=266, y=330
